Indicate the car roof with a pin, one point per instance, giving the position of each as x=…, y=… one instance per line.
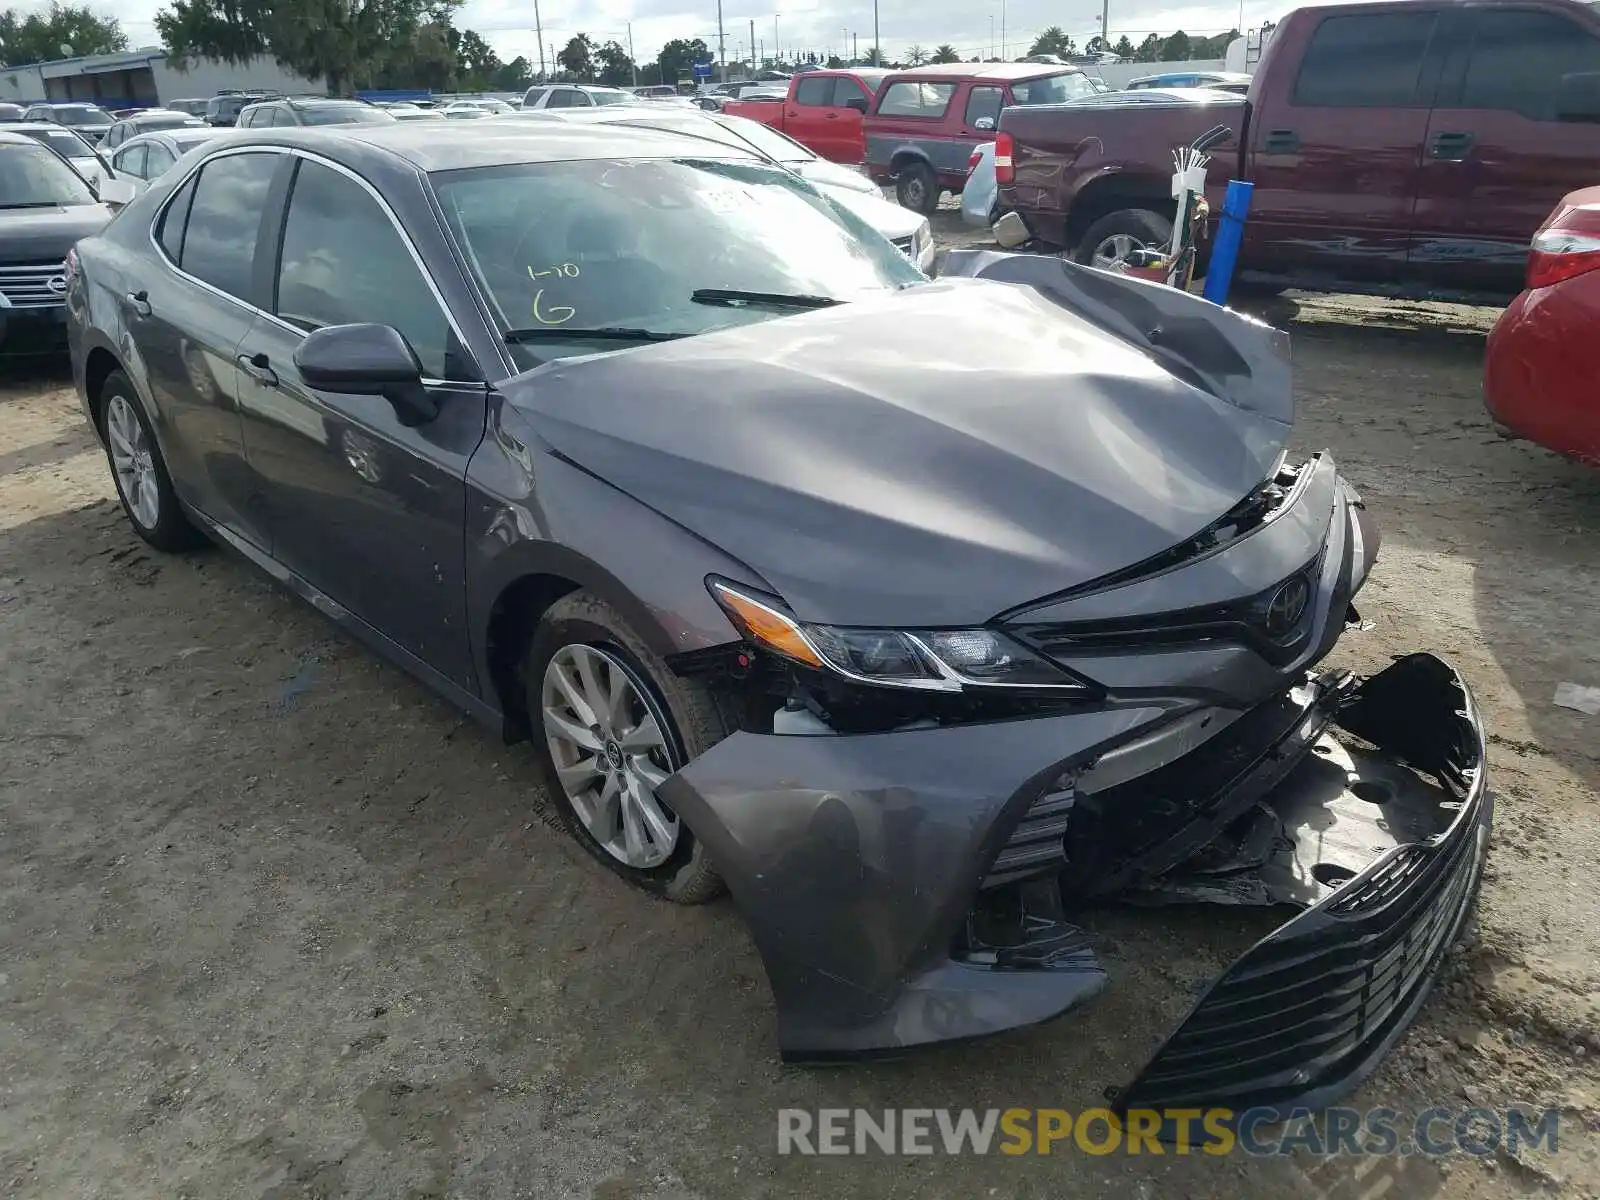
x=187, y=135
x=1013, y=70
x=502, y=141
x=7, y=138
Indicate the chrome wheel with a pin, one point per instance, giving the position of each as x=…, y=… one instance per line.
x=610, y=752
x=132, y=462
x=1115, y=250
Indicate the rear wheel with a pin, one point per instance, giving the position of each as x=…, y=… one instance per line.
x=143, y=485
x=1110, y=240
x=917, y=188
x=612, y=722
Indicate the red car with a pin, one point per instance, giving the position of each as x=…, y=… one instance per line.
x=1544, y=356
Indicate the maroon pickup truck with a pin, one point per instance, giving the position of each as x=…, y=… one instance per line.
x=1409, y=147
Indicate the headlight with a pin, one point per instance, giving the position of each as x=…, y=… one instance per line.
x=936, y=660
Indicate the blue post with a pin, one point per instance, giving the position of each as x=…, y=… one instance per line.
x=1230, y=232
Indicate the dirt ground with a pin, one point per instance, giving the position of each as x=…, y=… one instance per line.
x=276, y=922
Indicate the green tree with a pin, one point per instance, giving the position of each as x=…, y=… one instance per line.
x=678, y=57
x=477, y=62
x=1149, y=50
x=1176, y=48
x=39, y=36
x=945, y=53
x=348, y=43
x=514, y=76
x=1123, y=48
x=1053, y=41
x=577, y=57
x=616, y=68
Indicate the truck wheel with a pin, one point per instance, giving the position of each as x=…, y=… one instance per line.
x=1116, y=235
x=917, y=188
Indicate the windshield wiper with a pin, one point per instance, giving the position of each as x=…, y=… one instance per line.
x=732, y=298
x=35, y=204
x=617, y=333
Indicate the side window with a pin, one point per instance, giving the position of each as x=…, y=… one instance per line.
x=984, y=102
x=344, y=262
x=1367, y=61
x=130, y=162
x=910, y=99
x=847, y=89
x=559, y=98
x=115, y=135
x=1518, y=57
x=158, y=162
x=814, y=93
x=174, y=219
x=219, y=243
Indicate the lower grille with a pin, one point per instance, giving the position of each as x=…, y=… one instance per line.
x=33, y=285
x=906, y=245
x=1037, y=845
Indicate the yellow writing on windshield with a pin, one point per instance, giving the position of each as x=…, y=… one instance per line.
x=546, y=313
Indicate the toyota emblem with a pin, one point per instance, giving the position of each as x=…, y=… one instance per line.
x=1287, y=606
x=57, y=284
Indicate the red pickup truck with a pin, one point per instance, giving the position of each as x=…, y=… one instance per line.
x=1410, y=147
x=822, y=111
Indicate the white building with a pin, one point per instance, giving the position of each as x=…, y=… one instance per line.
x=144, y=78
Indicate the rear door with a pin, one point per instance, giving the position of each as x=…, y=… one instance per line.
x=1336, y=166
x=367, y=510
x=1497, y=157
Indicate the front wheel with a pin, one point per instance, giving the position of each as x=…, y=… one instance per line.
x=1110, y=240
x=917, y=188
x=612, y=722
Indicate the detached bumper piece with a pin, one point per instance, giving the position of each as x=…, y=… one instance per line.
x=1307, y=1013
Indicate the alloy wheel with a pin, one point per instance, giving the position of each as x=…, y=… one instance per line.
x=132, y=462
x=608, y=743
x=1115, y=250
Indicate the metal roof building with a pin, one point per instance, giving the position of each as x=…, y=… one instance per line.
x=143, y=78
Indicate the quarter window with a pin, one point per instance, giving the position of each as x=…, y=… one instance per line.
x=170, y=233
x=343, y=262
x=908, y=98
x=219, y=241
x=1369, y=61
x=815, y=93
x=984, y=102
x=1518, y=57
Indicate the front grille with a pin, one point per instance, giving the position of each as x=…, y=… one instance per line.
x=1316, y=1003
x=27, y=285
x=906, y=245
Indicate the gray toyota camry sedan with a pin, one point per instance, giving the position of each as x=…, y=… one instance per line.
x=917, y=614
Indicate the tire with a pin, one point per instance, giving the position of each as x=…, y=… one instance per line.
x=1129, y=228
x=144, y=487
x=581, y=627
x=917, y=188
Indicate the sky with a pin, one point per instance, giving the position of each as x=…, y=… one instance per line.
x=971, y=26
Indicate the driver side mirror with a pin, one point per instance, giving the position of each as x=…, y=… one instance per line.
x=859, y=103
x=367, y=360
x=115, y=192
x=1578, y=96
x=983, y=123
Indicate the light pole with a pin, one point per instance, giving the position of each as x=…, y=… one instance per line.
x=877, y=50
x=1002, y=29
x=1105, y=26
x=633, y=62
x=538, y=29
x=777, y=54
x=991, y=35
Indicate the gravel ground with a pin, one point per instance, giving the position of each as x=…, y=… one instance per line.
x=275, y=922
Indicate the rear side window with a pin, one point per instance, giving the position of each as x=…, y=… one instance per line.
x=559, y=98
x=131, y=161
x=817, y=93
x=1518, y=57
x=160, y=158
x=847, y=89
x=219, y=241
x=170, y=233
x=1369, y=61
x=984, y=102
x=908, y=98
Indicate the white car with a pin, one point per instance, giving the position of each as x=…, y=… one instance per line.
x=848, y=188
x=470, y=109
x=71, y=146
x=575, y=95
x=148, y=156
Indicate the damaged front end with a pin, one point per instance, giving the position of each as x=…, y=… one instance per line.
x=909, y=832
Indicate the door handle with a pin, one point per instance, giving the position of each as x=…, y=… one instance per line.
x=258, y=368
x=139, y=302
x=831, y=116
x=1281, y=141
x=1452, y=147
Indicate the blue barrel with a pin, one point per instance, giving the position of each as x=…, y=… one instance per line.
x=1230, y=233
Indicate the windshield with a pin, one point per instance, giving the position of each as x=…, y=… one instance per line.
x=767, y=140
x=33, y=177
x=68, y=145
x=344, y=114
x=82, y=114
x=612, y=97
x=1052, y=89
x=603, y=244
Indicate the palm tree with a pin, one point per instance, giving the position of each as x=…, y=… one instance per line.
x=916, y=56
x=946, y=53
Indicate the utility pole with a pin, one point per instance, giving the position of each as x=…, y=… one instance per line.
x=877, y=50
x=722, y=47
x=1003, y=28
x=538, y=29
x=1105, y=25
x=633, y=61
x=991, y=35
x=776, y=52
x=855, y=50
x=755, y=63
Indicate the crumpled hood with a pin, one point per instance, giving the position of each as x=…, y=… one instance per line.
x=929, y=457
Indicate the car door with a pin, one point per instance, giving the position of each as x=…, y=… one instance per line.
x=805, y=114
x=1498, y=157
x=367, y=510
x=850, y=104
x=1335, y=165
x=187, y=324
